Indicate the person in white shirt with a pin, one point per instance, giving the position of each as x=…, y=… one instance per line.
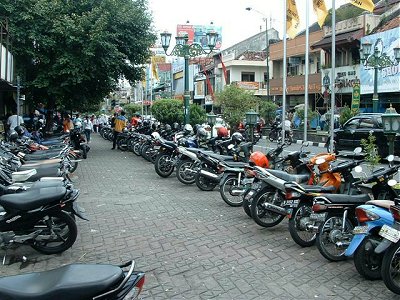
x=13, y=121
x=88, y=127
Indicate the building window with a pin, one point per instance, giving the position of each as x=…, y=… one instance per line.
x=248, y=76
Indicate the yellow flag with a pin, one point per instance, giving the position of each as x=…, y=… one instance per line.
x=292, y=19
x=154, y=69
x=364, y=4
x=320, y=10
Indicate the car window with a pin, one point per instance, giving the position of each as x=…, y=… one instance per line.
x=367, y=123
x=352, y=124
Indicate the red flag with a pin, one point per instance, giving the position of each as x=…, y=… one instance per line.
x=224, y=69
x=209, y=86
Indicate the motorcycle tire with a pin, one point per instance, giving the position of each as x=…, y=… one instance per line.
x=273, y=135
x=145, y=152
x=130, y=143
x=297, y=225
x=288, y=141
x=184, y=176
x=246, y=205
x=61, y=228
x=262, y=216
x=225, y=190
x=84, y=151
x=368, y=263
x=136, y=149
x=122, y=145
x=110, y=136
x=162, y=166
x=74, y=165
x=391, y=268
x=325, y=245
x=153, y=156
x=203, y=183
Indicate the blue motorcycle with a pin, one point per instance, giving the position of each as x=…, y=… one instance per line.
x=371, y=217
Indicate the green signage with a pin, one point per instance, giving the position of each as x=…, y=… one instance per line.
x=355, y=102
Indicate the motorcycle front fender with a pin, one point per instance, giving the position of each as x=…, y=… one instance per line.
x=383, y=245
x=79, y=212
x=355, y=243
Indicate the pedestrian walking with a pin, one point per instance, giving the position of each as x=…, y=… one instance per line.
x=13, y=121
x=88, y=127
x=68, y=125
x=120, y=123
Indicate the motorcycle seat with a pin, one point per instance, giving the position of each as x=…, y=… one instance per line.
x=32, y=198
x=235, y=164
x=381, y=203
x=221, y=157
x=289, y=177
x=347, y=199
x=44, y=162
x=75, y=281
x=318, y=188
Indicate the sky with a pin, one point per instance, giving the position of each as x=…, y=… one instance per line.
x=237, y=23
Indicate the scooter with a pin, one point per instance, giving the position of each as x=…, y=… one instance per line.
x=75, y=281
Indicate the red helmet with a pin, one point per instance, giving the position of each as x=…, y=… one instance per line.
x=259, y=159
x=222, y=132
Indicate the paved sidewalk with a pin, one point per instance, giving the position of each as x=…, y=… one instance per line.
x=190, y=243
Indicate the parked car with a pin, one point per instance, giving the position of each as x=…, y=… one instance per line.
x=349, y=136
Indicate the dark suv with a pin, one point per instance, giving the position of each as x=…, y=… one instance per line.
x=349, y=136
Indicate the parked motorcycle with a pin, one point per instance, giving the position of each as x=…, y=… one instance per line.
x=75, y=281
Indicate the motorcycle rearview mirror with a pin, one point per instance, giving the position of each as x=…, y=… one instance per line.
x=320, y=161
x=392, y=182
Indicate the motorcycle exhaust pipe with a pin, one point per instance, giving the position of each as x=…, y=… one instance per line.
x=342, y=244
x=275, y=208
x=211, y=176
x=237, y=192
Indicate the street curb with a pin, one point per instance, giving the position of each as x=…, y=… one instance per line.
x=299, y=142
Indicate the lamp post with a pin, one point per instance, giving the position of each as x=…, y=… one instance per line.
x=391, y=126
x=267, y=43
x=185, y=50
x=211, y=119
x=377, y=60
x=251, y=120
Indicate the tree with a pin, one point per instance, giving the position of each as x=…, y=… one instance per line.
x=132, y=108
x=235, y=102
x=346, y=113
x=197, y=114
x=168, y=111
x=268, y=111
x=72, y=53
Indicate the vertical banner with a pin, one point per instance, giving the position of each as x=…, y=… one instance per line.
x=364, y=4
x=292, y=19
x=320, y=11
x=355, y=101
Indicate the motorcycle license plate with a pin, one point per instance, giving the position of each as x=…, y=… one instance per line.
x=360, y=230
x=250, y=194
x=291, y=203
x=318, y=217
x=390, y=233
x=247, y=181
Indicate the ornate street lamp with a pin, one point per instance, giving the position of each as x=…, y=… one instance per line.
x=377, y=60
x=185, y=50
x=391, y=126
x=251, y=120
x=211, y=119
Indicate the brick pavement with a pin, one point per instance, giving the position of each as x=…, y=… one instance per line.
x=190, y=243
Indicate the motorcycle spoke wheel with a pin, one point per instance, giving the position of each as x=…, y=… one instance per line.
x=299, y=226
x=226, y=190
x=330, y=234
x=246, y=205
x=262, y=216
x=391, y=268
x=184, y=172
x=163, y=165
x=57, y=234
x=203, y=183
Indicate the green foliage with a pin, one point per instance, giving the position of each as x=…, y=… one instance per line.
x=168, y=111
x=311, y=114
x=267, y=111
x=132, y=108
x=370, y=148
x=197, y=114
x=235, y=102
x=346, y=113
x=72, y=53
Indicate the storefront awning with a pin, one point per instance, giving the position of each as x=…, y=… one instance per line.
x=5, y=86
x=342, y=38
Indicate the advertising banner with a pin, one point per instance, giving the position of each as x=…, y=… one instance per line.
x=198, y=34
x=389, y=75
x=355, y=102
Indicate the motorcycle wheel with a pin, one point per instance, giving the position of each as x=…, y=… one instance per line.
x=145, y=152
x=225, y=190
x=163, y=166
x=288, y=140
x=203, y=183
x=84, y=151
x=329, y=148
x=73, y=165
x=122, y=145
x=136, y=148
x=59, y=233
x=367, y=262
x=297, y=225
x=246, y=205
x=329, y=233
x=184, y=176
x=262, y=216
x=272, y=136
x=391, y=268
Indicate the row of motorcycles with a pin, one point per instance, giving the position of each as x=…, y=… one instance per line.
x=337, y=206
x=38, y=208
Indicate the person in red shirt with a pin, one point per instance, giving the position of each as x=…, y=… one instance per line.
x=135, y=120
